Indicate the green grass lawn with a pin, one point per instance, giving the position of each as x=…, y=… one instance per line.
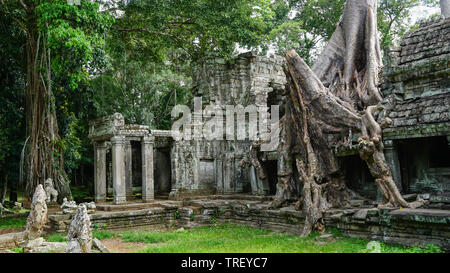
x=238, y=239
x=8, y=222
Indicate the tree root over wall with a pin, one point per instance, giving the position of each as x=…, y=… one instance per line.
x=327, y=100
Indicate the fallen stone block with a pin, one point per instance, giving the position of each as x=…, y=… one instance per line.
x=50, y=247
x=11, y=240
x=360, y=214
x=356, y=203
x=30, y=244
x=96, y=243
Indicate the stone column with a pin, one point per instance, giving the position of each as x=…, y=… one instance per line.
x=148, y=192
x=253, y=180
x=219, y=174
x=391, y=155
x=228, y=173
x=128, y=170
x=100, y=171
x=118, y=169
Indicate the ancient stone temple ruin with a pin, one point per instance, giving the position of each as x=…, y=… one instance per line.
x=416, y=89
x=194, y=167
x=417, y=98
x=111, y=131
x=200, y=180
x=208, y=167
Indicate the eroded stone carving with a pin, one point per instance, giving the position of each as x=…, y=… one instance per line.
x=70, y=207
x=80, y=235
x=38, y=215
x=52, y=194
x=35, y=221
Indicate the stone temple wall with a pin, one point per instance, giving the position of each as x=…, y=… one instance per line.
x=399, y=226
x=247, y=79
x=207, y=167
x=419, y=67
x=417, y=99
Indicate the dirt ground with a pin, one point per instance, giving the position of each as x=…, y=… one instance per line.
x=118, y=246
x=11, y=230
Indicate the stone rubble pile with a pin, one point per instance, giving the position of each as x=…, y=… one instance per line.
x=70, y=207
x=79, y=236
x=52, y=194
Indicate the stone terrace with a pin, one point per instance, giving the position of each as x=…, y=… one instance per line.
x=362, y=219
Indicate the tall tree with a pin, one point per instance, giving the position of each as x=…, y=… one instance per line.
x=328, y=100
x=12, y=86
x=60, y=41
x=155, y=45
x=198, y=27
x=307, y=25
x=304, y=25
x=394, y=19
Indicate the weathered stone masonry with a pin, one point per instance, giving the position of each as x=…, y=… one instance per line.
x=417, y=99
x=407, y=227
x=112, y=131
x=417, y=91
x=201, y=167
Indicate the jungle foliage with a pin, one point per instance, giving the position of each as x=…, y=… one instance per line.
x=73, y=63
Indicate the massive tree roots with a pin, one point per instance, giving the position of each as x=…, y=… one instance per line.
x=45, y=158
x=371, y=148
x=325, y=103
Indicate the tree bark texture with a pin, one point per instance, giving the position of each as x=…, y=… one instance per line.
x=445, y=9
x=45, y=158
x=339, y=95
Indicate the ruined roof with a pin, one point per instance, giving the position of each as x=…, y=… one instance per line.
x=430, y=41
x=431, y=109
x=421, y=65
x=420, y=117
x=417, y=83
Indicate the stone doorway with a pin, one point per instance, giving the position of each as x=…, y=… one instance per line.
x=358, y=177
x=425, y=165
x=134, y=185
x=271, y=168
x=163, y=172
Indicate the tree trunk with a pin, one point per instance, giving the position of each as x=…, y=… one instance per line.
x=325, y=104
x=286, y=186
x=5, y=189
x=45, y=159
x=445, y=9
x=350, y=63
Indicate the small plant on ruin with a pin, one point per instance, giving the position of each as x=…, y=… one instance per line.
x=176, y=215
